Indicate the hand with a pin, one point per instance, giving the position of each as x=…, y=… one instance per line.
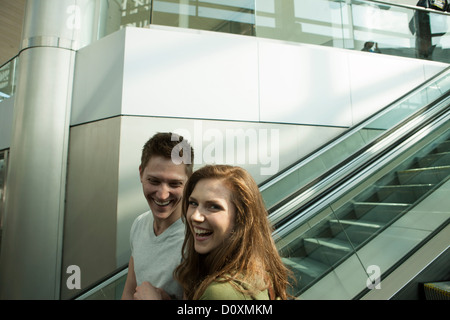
x=146, y=291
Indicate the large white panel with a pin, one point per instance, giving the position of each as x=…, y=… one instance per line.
x=174, y=72
x=98, y=80
x=190, y=74
x=304, y=84
x=377, y=80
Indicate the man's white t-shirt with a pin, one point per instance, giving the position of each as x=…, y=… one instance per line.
x=156, y=257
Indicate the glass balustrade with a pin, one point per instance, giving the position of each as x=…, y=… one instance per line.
x=372, y=26
x=8, y=79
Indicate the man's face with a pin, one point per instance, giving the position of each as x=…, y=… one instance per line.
x=163, y=184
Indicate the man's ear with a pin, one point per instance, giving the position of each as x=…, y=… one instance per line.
x=140, y=171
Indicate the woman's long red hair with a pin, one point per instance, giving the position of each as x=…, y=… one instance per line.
x=248, y=256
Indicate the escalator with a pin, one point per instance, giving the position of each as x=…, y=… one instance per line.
x=381, y=219
x=384, y=203
x=320, y=224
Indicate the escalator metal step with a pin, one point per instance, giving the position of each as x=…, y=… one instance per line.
x=359, y=223
x=305, y=266
x=331, y=243
x=435, y=159
x=423, y=175
x=355, y=231
x=403, y=193
x=379, y=211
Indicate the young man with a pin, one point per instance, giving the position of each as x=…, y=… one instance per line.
x=157, y=235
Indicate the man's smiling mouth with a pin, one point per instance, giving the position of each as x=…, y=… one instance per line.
x=162, y=203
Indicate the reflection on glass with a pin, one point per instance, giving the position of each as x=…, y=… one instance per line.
x=3, y=163
x=112, y=291
x=356, y=25
x=135, y=13
x=7, y=79
x=214, y=15
x=353, y=25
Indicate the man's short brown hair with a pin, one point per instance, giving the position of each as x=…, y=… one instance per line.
x=162, y=144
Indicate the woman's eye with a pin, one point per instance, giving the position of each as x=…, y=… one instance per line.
x=215, y=207
x=192, y=203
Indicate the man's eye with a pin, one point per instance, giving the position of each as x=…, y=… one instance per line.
x=176, y=184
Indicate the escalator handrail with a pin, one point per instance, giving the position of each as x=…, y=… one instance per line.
x=102, y=283
x=406, y=6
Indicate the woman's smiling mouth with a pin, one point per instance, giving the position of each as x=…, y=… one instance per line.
x=202, y=234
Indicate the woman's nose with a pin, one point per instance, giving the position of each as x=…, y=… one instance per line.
x=197, y=216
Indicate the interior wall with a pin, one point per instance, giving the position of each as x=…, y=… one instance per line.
x=168, y=72
x=90, y=221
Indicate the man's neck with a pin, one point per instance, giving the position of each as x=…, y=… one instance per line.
x=161, y=225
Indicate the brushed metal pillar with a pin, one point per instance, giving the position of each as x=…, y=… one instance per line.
x=30, y=261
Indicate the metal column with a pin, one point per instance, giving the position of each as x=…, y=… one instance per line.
x=30, y=261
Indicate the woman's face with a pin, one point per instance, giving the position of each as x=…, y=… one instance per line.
x=210, y=214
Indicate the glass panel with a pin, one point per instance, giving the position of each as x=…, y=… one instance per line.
x=378, y=222
x=307, y=21
x=111, y=291
x=135, y=13
x=314, y=251
x=357, y=25
x=230, y=16
x=3, y=169
x=8, y=79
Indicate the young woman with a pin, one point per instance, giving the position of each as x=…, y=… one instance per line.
x=228, y=250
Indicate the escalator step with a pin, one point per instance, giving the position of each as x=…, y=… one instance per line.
x=379, y=211
x=356, y=231
x=443, y=146
x=359, y=223
x=305, y=266
x=403, y=193
x=435, y=159
x=330, y=243
x=424, y=175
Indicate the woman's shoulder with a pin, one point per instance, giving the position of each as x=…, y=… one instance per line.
x=229, y=291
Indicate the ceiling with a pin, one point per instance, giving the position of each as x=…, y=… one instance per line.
x=11, y=17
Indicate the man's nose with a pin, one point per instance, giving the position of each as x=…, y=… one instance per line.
x=163, y=192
